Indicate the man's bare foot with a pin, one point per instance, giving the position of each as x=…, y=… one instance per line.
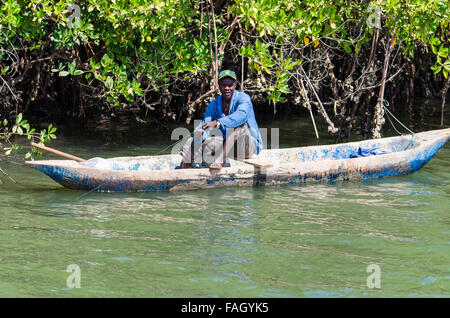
x=186, y=165
x=215, y=165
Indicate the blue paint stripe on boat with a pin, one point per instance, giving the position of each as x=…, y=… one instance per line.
x=412, y=163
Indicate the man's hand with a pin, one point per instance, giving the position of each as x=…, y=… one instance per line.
x=198, y=133
x=209, y=125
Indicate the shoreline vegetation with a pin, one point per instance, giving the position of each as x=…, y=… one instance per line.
x=157, y=61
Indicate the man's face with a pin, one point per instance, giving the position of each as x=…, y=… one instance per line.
x=227, y=86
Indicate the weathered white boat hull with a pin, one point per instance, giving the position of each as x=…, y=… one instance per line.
x=290, y=165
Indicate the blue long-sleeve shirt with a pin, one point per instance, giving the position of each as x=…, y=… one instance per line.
x=240, y=112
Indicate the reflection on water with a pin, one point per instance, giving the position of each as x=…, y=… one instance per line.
x=300, y=240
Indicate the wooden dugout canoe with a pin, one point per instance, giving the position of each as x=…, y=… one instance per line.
x=290, y=165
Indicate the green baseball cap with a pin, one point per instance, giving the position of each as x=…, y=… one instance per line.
x=227, y=73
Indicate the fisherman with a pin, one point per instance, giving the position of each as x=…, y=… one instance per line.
x=232, y=118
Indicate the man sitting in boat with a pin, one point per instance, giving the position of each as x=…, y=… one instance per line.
x=232, y=118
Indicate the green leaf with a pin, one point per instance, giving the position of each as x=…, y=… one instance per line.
x=19, y=118
x=105, y=61
x=109, y=82
x=71, y=66
x=347, y=49
x=285, y=90
x=63, y=73
x=436, y=68
x=93, y=64
x=5, y=69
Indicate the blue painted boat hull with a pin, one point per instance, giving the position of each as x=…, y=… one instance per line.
x=405, y=155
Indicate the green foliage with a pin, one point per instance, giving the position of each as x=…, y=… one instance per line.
x=137, y=46
x=131, y=43
x=21, y=127
x=424, y=22
x=305, y=24
x=298, y=24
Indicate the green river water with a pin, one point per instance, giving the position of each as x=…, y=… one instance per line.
x=299, y=240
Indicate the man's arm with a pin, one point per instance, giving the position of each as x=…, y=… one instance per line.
x=202, y=130
x=239, y=116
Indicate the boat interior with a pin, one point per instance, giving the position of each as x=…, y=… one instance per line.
x=274, y=156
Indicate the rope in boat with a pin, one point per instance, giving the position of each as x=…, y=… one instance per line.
x=173, y=145
x=385, y=104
